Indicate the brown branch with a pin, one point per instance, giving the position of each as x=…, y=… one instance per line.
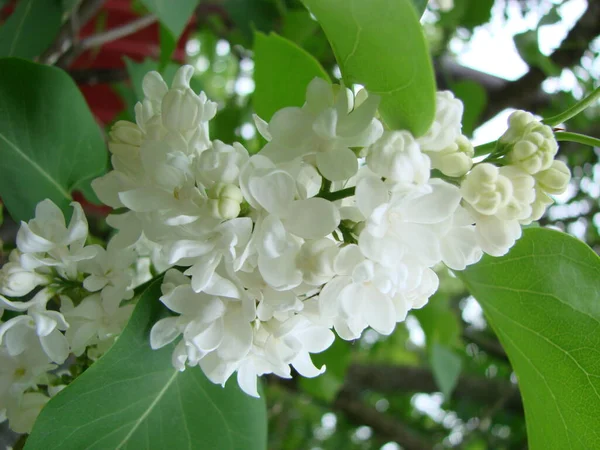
x=67, y=35
x=349, y=402
x=118, y=32
x=397, y=379
x=98, y=75
x=102, y=38
x=526, y=92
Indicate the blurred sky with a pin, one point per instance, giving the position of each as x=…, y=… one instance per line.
x=491, y=49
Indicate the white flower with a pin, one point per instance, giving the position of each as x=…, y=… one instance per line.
x=315, y=260
x=95, y=319
x=110, y=271
x=523, y=194
x=270, y=303
x=486, y=189
x=46, y=324
x=328, y=125
x=397, y=157
x=209, y=324
x=277, y=254
x=273, y=190
x=496, y=236
x=555, y=179
x=182, y=109
x=447, y=125
x=16, y=281
x=532, y=144
x=203, y=252
x=221, y=163
x=402, y=225
x=24, y=371
x=538, y=206
x=22, y=413
x=458, y=240
x=455, y=160
x=46, y=240
x=360, y=296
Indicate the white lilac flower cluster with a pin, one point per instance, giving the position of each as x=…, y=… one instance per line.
x=73, y=304
x=336, y=224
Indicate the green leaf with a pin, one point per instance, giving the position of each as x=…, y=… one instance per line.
x=173, y=16
x=31, y=28
x=476, y=12
x=446, y=366
x=529, y=50
x=380, y=44
x=282, y=72
x=168, y=44
x=474, y=97
x=250, y=16
x=133, y=398
x=50, y=144
x=552, y=17
x=543, y=301
x=420, y=6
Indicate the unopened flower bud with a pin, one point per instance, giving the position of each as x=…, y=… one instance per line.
x=455, y=160
x=517, y=125
x=529, y=144
x=397, y=156
x=180, y=110
x=538, y=207
x=536, y=151
x=225, y=201
x=154, y=86
x=523, y=194
x=555, y=179
x=315, y=260
x=182, y=77
x=486, y=190
x=125, y=132
x=447, y=124
x=15, y=281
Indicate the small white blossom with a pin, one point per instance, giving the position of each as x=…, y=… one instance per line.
x=446, y=127
x=486, y=189
x=327, y=126
x=455, y=160
x=532, y=144
x=397, y=157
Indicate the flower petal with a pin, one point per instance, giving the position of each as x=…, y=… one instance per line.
x=164, y=332
x=312, y=218
x=337, y=164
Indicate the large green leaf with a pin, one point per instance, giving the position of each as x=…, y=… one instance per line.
x=282, y=72
x=172, y=15
x=543, y=301
x=31, y=28
x=250, y=16
x=50, y=143
x=420, y=6
x=380, y=44
x=133, y=398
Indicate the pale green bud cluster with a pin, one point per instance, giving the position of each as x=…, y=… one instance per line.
x=455, y=160
x=225, y=201
x=531, y=144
